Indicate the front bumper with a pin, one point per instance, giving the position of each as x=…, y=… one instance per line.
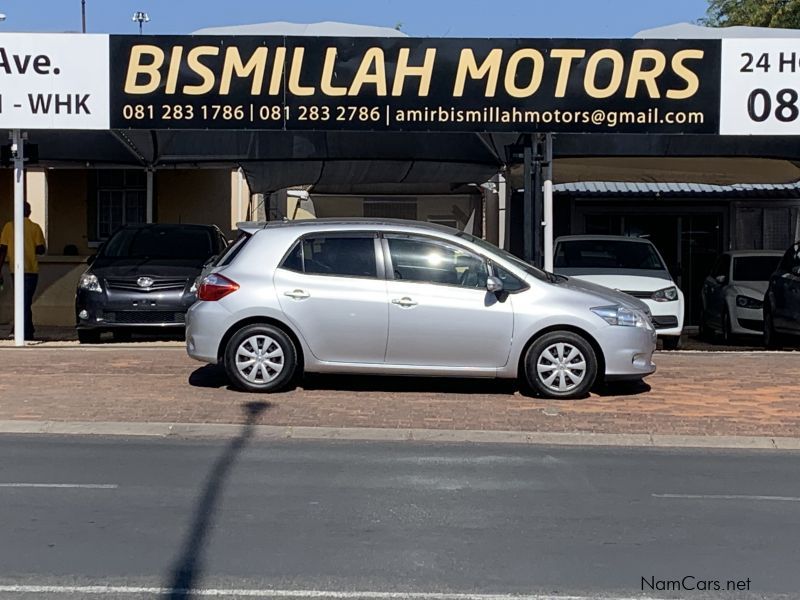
x=126, y=310
x=628, y=352
x=667, y=316
x=747, y=321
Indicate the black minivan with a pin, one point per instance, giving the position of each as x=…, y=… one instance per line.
x=143, y=277
x=782, y=302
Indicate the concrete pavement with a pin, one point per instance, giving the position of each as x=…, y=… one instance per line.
x=353, y=520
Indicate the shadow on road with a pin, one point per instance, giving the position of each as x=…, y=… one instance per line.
x=622, y=388
x=189, y=566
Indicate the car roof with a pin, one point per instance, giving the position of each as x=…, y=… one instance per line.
x=357, y=223
x=587, y=238
x=168, y=226
x=738, y=253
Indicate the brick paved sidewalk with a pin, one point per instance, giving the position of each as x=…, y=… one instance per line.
x=691, y=394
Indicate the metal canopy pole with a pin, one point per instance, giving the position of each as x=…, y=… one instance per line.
x=527, y=204
x=17, y=150
x=547, y=190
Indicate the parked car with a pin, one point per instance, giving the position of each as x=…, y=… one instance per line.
x=782, y=302
x=407, y=298
x=143, y=277
x=733, y=293
x=631, y=265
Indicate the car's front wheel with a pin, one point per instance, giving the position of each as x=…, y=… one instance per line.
x=88, y=336
x=260, y=358
x=671, y=342
x=561, y=364
x=772, y=339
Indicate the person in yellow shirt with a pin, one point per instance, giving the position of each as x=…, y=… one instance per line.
x=34, y=246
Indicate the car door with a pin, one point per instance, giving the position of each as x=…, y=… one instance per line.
x=332, y=289
x=714, y=290
x=440, y=313
x=787, y=291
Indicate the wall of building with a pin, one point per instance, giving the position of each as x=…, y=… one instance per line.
x=194, y=196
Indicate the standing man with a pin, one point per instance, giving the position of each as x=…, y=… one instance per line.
x=34, y=245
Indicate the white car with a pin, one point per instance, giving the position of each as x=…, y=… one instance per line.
x=733, y=293
x=626, y=264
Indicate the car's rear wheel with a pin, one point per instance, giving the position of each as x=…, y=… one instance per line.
x=260, y=358
x=88, y=336
x=727, y=333
x=561, y=364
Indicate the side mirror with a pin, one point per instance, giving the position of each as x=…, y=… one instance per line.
x=494, y=284
x=721, y=279
x=91, y=259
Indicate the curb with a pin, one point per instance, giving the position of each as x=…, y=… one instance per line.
x=277, y=432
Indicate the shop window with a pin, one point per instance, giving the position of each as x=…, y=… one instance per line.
x=121, y=200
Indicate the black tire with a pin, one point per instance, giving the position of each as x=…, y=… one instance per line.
x=88, y=336
x=727, y=334
x=671, y=342
x=267, y=336
x=536, y=355
x=772, y=339
x=705, y=334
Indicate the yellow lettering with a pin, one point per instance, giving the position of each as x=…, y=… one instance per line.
x=639, y=74
x=467, y=66
x=689, y=76
x=294, y=75
x=277, y=71
x=373, y=56
x=174, y=70
x=617, y=67
x=424, y=72
x=566, y=56
x=327, y=75
x=234, y=64
x=136, y=68
x=536, y=76
x=206, y=74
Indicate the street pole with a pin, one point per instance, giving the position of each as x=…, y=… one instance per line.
x=83, y=16
x=17, y=147
x=547, y=192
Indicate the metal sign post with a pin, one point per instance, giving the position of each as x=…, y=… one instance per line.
x=547, y=201
x=17, y=151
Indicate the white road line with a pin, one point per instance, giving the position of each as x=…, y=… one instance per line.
x=87, y=486
x=728, y=497
x=315, y=594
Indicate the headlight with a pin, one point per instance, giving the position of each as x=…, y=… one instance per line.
x=90, y=283
x=624, y=317
x=669, y=294
x=747, y=302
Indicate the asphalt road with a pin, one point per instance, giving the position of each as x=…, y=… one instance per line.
x=144, y=518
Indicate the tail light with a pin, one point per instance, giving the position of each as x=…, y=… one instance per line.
x=215, y=287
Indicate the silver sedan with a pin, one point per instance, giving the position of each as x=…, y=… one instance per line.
x=407, y=298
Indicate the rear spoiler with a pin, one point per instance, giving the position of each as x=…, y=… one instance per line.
x=250, y=227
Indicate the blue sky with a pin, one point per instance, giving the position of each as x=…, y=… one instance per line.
x=454, y=18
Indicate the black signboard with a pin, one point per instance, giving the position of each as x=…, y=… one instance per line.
x=410, y=84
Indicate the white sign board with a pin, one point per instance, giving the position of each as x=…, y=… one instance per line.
x=54, y=81
x=760, y=87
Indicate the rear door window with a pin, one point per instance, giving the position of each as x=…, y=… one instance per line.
x=336, y=255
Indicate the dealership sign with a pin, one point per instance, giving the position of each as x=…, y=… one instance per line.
x=63, y=81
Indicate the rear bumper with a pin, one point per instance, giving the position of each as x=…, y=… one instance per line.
x=206, y=325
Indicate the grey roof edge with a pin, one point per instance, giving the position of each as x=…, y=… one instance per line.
x=615, y=188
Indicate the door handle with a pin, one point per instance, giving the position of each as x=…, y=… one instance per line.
x=297, y=294
x=405, y=302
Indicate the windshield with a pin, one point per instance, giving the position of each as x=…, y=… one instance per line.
x=607, y=254
x=172, y=243
x=754, y=268
x=507, y=256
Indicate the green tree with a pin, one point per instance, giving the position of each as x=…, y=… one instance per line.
x=756, y=13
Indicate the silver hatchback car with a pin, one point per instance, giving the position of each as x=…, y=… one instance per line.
x=407, y=298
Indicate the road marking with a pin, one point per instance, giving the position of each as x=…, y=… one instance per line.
x=315, y=594
x=729, y=497
x=87, y=486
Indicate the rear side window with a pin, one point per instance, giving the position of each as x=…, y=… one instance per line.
x=233, y=250
x=342, y=256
